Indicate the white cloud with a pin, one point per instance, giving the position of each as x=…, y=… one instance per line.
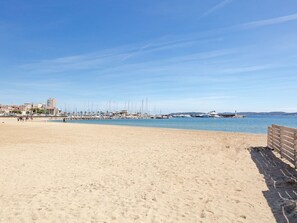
x=267, y=22
x=113, y=59
x=217, y=7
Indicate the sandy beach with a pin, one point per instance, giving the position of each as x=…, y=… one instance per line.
x=62, y=172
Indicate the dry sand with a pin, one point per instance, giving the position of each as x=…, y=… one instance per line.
x=62, y=172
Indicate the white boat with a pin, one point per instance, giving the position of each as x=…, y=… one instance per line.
x=213, y=114
x=200, y=116
x=182, y=116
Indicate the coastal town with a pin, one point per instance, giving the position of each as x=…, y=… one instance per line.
x=50, y=109
x=31, y=109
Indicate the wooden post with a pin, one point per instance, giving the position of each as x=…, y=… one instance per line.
x=281, y=141
x=272, y=137
x=295, y=148
x=268, y=136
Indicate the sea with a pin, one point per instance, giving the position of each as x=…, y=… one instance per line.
x=250, y=124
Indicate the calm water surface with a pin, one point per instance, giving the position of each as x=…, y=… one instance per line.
x=252, y=124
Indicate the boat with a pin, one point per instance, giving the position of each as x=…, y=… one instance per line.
x=181, y=116
x=213, y=114
x=200, y=116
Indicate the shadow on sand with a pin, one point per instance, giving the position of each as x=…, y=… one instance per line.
x=281, y=180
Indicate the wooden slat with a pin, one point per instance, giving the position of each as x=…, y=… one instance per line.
x=295, y=149
x=276, y=142
x=288, y=150
x=288, y=134
x=283, y=140
x=288, y=139
x=277, y=136
x=287, y=128
x=276, y=146
x=288, y=158
x=275, y=126
x=288, y=146
x=290, y=155
x=268, y=137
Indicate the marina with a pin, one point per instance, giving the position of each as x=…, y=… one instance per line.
x=124, y=114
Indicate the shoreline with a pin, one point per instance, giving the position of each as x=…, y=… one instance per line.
x=49, y=121
x=154, y=127
x=140, y=127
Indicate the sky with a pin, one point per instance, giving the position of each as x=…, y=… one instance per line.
x=179, y=55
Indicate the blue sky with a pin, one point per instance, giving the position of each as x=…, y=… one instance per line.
x=182, y=55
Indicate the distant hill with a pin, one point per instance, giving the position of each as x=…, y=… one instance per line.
x=240, y=113
x=266, y=113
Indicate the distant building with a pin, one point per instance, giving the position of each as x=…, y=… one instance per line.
x=52, y=111
x=51, y=106
x=29, y=108
x=51, y=102
x=38, y=105
x=123, y=112
x=12, y=109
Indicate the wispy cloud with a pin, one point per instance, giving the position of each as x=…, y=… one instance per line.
x=217, y=7
x=267, y=22
x=111, y=59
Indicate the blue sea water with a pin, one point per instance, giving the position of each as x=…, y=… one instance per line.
x=251, y=124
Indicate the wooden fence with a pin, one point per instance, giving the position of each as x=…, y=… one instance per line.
x=284, y=141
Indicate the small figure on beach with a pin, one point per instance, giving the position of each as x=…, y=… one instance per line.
x=64, y=119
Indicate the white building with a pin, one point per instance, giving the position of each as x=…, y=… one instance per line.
x=51, y=102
